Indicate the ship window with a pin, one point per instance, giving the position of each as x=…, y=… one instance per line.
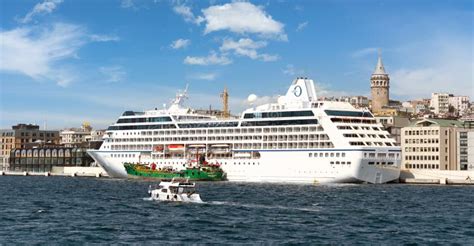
x=310, y=154
x=348, y=113
x=279, y=122
x=278, y=114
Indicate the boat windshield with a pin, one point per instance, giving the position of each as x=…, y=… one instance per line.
x=181, y=190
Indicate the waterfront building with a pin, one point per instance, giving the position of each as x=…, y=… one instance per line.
x=465, y=149
x=394, y=125
x=440, y=103
x=24, y=136
x=379, y=84
x=433, y=144
x=44, y=159
x=7, y=143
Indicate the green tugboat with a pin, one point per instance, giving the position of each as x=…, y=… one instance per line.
x=202, y=173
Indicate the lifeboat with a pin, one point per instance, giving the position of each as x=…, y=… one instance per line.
x=176, y=147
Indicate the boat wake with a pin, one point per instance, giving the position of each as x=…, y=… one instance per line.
x=187, y=201
x=313, y=208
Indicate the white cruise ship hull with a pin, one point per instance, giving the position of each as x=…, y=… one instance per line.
x=281, y=166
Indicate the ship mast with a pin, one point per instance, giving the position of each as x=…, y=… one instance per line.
x=225, y=102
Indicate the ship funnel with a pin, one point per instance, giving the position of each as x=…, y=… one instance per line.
x=301, y=90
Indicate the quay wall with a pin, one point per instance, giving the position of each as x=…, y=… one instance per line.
x=436, y=177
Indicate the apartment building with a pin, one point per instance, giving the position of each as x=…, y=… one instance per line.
x=440, y=103
x=433, y=144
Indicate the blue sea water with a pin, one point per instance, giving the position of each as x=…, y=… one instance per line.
x=65, y=210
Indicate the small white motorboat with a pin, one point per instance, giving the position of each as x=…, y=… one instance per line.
x=176, y=190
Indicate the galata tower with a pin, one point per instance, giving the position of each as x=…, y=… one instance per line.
x=379, y=85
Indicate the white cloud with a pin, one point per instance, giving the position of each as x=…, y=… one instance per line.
x=212, y=59
x=247, y=47
x=36, y=52
x=187, y=14
x=103, y=38
x=292, y=71
x=364, y=52
x=242, y=18
x=113, y=73
x=204, y=76
x=444, y=64
x=126, y=4
x=180, y=43
x=301, y=26
x=46, y=7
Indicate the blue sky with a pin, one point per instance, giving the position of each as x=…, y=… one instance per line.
x=67, y=61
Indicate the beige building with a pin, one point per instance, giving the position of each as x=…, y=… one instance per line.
x=7, y=143
x=465, y=149
x=74, y=137
x=24, y=136
x=379, y=86
x=432, y=144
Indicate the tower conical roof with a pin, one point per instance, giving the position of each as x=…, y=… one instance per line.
x=379, y=69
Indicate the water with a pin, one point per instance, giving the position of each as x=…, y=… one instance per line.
x=45, y=210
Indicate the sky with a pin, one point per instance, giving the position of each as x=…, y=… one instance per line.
x=64, y=62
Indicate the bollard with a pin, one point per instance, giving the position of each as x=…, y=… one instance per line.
x=73, y=174
x=98, y=175
x=2, y=173
x=25, y=173
x=46, y=174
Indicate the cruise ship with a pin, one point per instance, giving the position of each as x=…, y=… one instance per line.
x=298, y=139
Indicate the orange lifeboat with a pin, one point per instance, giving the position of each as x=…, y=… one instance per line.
x=176, y=147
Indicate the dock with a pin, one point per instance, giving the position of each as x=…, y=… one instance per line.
x=96, y=172
x=442, y=177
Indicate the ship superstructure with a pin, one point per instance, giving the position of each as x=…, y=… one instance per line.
x=296, y=139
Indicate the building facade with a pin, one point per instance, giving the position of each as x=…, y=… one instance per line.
x=440, y=103
x=432, y=144
x=43, y=159
x=379, y=86
x=7, y=143
x=74, y=137
x=459, y=103
x=24, y=136
x=465, y=149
